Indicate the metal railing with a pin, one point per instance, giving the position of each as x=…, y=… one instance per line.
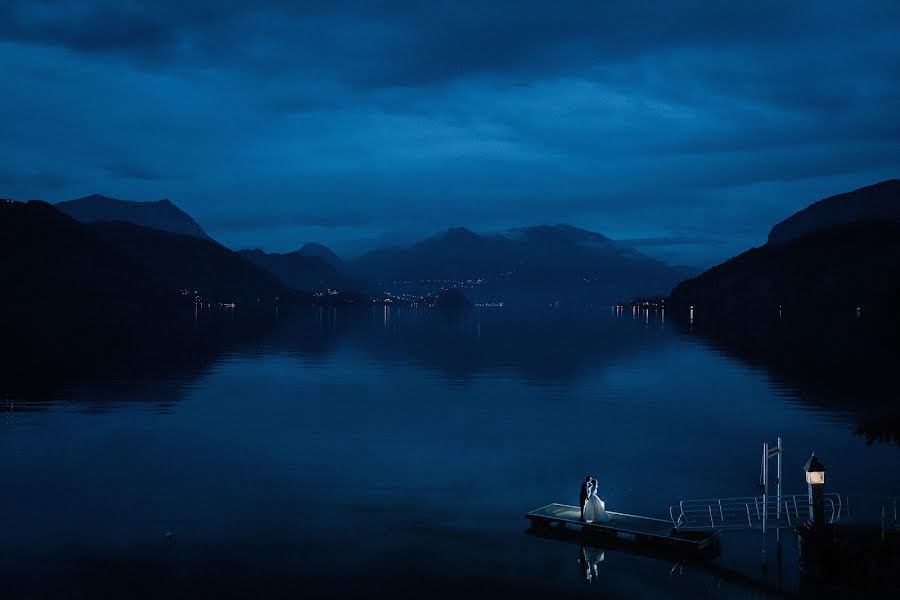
x=750, y=512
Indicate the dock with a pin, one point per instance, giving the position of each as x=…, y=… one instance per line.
x=647, y=531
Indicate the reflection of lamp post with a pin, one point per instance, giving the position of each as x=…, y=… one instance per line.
x=815, y=479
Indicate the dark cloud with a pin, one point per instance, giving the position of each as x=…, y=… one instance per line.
x=672, y=240
x=275, y=122
x=134, y=170
x=34, y=179
x=415, y=43
x=265, y=222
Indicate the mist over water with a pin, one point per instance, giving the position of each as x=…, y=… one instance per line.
x=395, y=451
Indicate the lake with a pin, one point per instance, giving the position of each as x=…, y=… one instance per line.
x=394, y=451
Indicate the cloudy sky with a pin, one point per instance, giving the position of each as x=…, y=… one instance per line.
x=686, y=127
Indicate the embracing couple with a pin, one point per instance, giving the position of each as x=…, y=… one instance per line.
x=592, y=507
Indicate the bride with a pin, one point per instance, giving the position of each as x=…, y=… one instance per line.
x=594, y=508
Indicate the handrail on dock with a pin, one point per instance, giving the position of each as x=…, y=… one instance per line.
x=749, y=511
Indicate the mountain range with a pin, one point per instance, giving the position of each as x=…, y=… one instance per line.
x=68, y=294
x=880, y=201
x=322, y=251
x=303, y=270
x=110, y=279
x=162, y=215
x=157, y=231
x=182, y=262
x=544, y=263
x=818, y=302
x=837, y=255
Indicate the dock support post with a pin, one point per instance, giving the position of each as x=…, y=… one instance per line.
x=765, y=478
x=778, y=556
x=778, y=480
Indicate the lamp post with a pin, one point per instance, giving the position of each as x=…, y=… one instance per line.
x=815, y=480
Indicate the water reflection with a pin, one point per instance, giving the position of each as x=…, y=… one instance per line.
x=416, y=438
x=665, y=572
x=590, y=558
x=550, y=347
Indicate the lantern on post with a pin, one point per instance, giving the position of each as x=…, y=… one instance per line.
x=815, y=481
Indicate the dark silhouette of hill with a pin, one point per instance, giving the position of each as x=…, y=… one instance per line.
x=821, y=308
x=302, y=272
x=182, y=262
x=455, y=254
x=192, y=266
x=828, y=273
x=878, y=201
x=162, y=215
x=108, y=299
x=542, y=263
x=68, y=296
x=321, y=251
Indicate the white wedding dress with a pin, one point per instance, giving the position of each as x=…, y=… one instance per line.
x=594, y=508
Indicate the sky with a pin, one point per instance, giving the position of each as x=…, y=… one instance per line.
x=685, y=128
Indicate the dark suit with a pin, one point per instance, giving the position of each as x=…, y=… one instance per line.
x=582, y=498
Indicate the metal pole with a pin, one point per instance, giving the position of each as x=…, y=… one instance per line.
x=778, y=480
x=778, y=547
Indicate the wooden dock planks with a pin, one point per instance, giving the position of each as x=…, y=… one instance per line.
x=641, y=529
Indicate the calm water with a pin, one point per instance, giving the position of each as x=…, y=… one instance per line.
x=395, y=452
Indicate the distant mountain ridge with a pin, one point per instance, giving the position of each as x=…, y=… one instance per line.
x=183, y=262
x=877, y=201
x=303, y=270
x=314, y=267
x=839, y=253
x=546, y=263
x=71, y=294
x=321, y=251
x=831, y=271
x=162, y=215
x=113, y=296
x=821, y=305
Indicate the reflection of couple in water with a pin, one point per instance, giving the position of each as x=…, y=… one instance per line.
x=592, y=507
x=589, y=558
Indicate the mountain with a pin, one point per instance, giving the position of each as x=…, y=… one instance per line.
x=302, y=271
x=878, y=201
x=824, y=274
x=543, y=263
x=321, y=251
x=182, y=262
x=457, y=254
x=162, y=215
x=838, y=254
x=818, y=308
x=68, y=295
